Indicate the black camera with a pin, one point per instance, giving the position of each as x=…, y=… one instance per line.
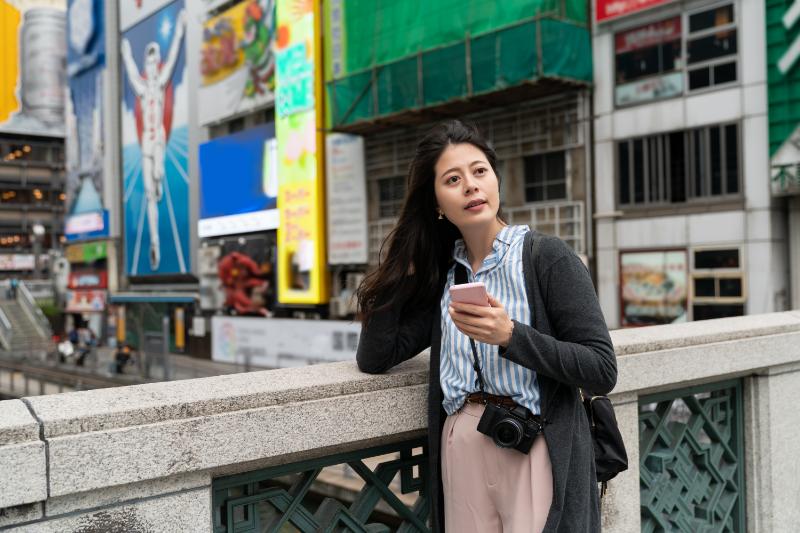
x=510, y=428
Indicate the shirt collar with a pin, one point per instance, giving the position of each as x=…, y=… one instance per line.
x=501, y=244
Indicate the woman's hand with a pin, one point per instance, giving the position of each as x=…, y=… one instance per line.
x=489, y=325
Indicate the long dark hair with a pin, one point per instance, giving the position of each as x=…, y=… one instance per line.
x=420, y=245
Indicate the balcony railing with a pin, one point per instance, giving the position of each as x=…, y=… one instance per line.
x=705, y=408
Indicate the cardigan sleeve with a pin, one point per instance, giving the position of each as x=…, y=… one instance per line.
x=579, y=352
x=388, y=339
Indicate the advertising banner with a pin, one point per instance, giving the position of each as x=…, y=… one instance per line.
x=238, y=60
x=281, y=343
x=155, y=144
x=653, y=287
x=239, y=183
x=17, y=262
x=302, y=273
x=783, y=81
x=85, y=301
x=32, y=68
x=347, y=199
x=88, y=279
x=86, y=216
x=611, y=9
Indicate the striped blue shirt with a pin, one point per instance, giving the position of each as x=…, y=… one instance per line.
x=502, y=273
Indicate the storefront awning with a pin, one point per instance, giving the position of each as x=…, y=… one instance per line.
x=153, y=297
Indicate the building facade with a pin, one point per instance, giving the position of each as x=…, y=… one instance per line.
x=522, y=75
x=686, y=226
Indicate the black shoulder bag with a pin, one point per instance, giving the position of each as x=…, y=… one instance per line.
x=610, y=457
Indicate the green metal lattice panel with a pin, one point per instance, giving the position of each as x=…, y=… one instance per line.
x=290, y=498
x=691, y=460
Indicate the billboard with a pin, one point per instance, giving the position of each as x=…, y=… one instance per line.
x=239, y=183
x=783, y=81
x=653, y=287
x=32, y=68
x=155, y=142
x=282, y=343
x=237, y=60
x=86, y=215
x=346, y=186
x=302, y=273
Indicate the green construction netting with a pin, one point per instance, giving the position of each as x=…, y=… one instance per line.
x=383, y=57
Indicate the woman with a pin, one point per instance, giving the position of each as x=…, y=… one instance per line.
x=541, y=339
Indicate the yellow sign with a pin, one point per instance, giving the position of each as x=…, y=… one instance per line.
x=9, y=60
x=221, y=52
x=180, y=328
x=302, y=272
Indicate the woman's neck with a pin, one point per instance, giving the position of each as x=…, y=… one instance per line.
x=479, y=241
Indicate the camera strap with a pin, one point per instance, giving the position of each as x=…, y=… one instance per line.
x=461, y=278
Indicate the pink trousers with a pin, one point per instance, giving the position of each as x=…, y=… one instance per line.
x=489, y=489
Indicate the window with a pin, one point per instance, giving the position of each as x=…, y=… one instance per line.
x=677, y=167
x=717, y=283
x=648, y=62
x=711, y=47
x=391, y=192
x=545, y=177
x=652, y=61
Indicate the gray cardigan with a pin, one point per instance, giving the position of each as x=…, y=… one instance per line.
x=568, y=346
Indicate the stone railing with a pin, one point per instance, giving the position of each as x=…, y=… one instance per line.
x=157, y=457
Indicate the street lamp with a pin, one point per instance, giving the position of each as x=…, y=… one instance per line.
x=38, y=232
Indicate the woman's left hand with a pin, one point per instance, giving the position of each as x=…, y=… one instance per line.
x=489, y=325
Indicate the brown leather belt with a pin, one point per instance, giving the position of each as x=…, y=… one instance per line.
x=504, y=401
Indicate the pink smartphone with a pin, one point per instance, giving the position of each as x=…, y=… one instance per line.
x=470, y=293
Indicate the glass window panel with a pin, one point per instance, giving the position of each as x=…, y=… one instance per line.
x=730, y=287
x=705, y=287
x=534, y=169
x=624, y=174
x=713, y=46
x=716, y=161
x=638, y=64
x=556, y=166
x=699, y=78
x=716, y=258
x=724, y=73
x=534, y=193
x=710, y=19
x=677, y=167
x=557, y=191
x=709, y=311
x=670, y=54
x=699, y=163
x=732, y=159
x=638, y=171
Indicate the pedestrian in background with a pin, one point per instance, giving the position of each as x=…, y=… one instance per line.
x=541, y=337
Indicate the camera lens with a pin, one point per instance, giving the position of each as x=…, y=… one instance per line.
x=507, y=433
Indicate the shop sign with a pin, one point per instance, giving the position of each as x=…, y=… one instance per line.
x=653, y=287
x=88, y=280
x=86, y=225
x=647, y=36
x=649, y=89
x=85, y=301
x=611, y=9
x=347, y=199
x=86, y=253
x=280, y=343
x=17, y=262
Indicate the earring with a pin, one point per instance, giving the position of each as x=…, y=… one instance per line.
x=441, y=215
